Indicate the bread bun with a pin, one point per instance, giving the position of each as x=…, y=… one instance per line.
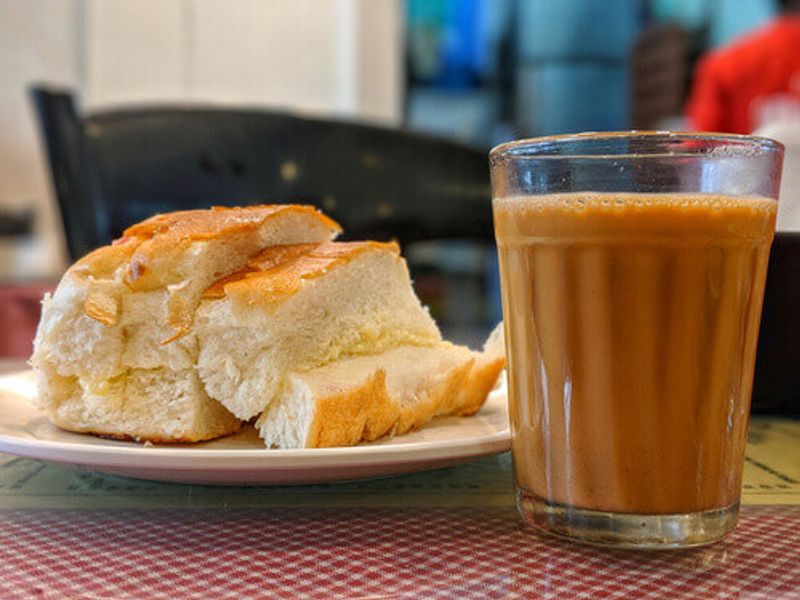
x=195, y=321
x=99, y=348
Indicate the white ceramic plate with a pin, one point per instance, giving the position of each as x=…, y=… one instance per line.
x=241, y=459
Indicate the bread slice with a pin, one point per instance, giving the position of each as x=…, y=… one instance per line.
x=364, y=398
x=155, y=405
x=113, y=311
x=300, y=307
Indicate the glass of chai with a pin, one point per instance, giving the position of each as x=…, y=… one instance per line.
x=632, y=271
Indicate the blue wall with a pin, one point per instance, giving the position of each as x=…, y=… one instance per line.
x=573, y=64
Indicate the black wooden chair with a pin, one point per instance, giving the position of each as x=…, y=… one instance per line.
x=113, y=168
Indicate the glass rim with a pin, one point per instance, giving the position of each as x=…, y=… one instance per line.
x=542, y=148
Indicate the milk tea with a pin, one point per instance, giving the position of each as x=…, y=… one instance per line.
x=631, y=323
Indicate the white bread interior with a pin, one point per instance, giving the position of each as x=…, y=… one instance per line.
x=155, y=405
x=367, y=397
x=331, y=301
x=113, y=309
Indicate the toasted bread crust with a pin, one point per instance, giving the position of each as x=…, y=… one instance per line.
x=161, y=234
x=279, y=271
x=344, y=419
x=143, y=249
x=481, y=381
x=214, y=221
x=366, y=411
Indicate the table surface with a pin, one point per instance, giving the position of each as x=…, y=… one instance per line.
x=450, y=533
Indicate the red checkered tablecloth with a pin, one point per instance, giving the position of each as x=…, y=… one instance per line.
x=371, y=553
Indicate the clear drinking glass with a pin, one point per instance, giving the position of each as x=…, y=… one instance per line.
x=632, y=269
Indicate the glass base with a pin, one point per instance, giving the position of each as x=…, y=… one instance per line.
x=626, y=530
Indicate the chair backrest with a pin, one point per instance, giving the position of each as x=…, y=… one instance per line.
x=776, y=386
x=114, y=168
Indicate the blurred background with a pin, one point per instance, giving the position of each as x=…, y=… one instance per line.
x=476, y=72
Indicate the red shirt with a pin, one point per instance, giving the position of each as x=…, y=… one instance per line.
x=733, y=85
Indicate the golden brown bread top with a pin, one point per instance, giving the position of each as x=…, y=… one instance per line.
x=217, y=220
x=152, y=254
x=164, y=234
x=279, y=271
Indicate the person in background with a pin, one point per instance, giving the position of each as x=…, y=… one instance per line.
x=753, y=81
